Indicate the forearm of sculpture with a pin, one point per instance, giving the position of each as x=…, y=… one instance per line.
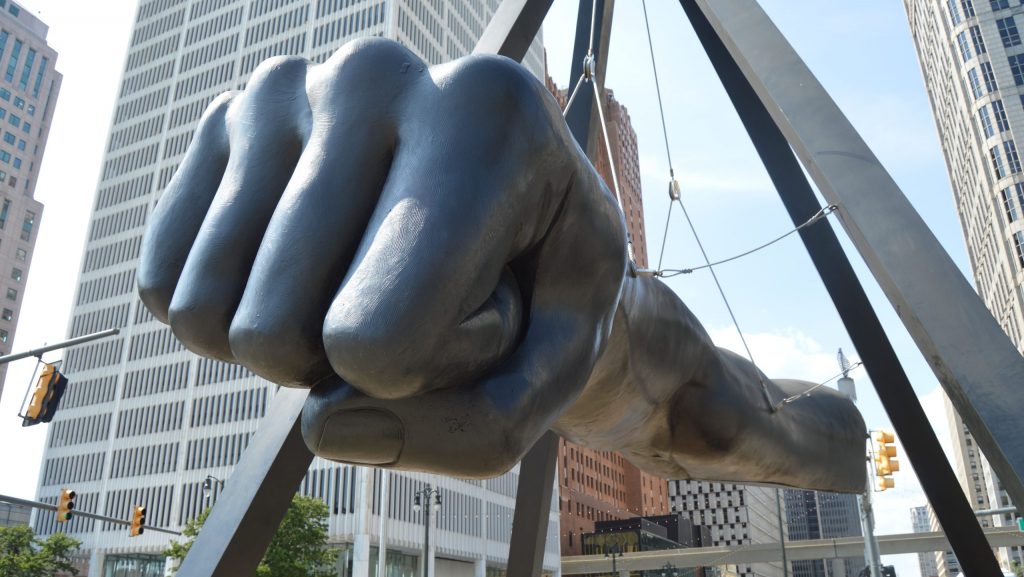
x=679, y=407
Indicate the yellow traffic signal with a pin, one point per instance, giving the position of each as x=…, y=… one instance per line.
x=46, y=397
x=138, y=521
x=885, y=459
x=66, y=505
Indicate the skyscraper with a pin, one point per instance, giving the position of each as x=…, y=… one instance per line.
x=602, y=485
x=147, y=422
x=972, y=60
x=929, y=566
x=28, y=95
x=736, y=514
x=822, y=515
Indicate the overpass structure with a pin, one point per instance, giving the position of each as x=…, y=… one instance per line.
x=772, y=552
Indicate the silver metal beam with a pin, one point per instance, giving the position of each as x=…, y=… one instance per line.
x=61, y=345
x=769, y=552
x=975, y=362
x=248, y=512
x=80, y=513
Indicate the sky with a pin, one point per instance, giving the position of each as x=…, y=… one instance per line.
x=860, y=51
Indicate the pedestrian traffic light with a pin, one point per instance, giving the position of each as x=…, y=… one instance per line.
x=46, y=397
x=138, y=521
x=66, y=505
x=885, y=459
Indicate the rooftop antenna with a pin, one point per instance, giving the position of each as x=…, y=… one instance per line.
x=846, y=385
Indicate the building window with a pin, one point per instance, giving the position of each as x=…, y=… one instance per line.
x=986, y=122
x=989, y=77
x=965, y=48
x=30, y=218
x=954, y=15
x=1017, y=67
x=978, y=41
x=996, y=156
x=13, y=62
x=26, y=127
x=1008, y=31
x=968, y=6
x=16, y=274
x=8, y=314
x=1018, y=244
x=12, y=295
x=21, y=254
x=975, y=80
x=999, y=4
x=3, y=336
x=1012, y=159
x=999, y=112
x=1010, y=204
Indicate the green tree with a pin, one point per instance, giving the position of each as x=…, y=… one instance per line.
x=298, y=549
x=22, y=554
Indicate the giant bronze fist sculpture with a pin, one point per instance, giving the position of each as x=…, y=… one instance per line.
x=429, y=250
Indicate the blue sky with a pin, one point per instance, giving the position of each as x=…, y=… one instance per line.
x=861, y=52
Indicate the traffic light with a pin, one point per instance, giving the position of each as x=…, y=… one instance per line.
x=46, y=397
x=885, y=459
x=66, y=505
x=138, y=521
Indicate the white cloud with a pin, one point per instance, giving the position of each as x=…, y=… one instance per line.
x=784, y=353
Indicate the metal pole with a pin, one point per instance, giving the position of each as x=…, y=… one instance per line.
x=381, y=547
x=77, y=513
x=867, y=524
x=426, y=531
x=782, y=533
x=61, y=345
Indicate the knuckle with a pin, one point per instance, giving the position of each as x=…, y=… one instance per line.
x=499, y=81
x=276, y=71
x=200, y=324
x=378, y=358
x=277, y=351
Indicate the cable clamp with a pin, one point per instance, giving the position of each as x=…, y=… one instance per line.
x=673, y=190
x=589, y=67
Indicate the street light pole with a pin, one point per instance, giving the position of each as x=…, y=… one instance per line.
x=428, y=498
x=614, y=552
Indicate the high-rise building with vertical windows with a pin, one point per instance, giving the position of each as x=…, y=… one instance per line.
x=28, y=94
x=822, y=515
x=927, y=560
x=146, y=422
x=972, y=59
x=737, y=515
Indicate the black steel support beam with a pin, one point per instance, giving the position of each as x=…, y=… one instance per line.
x=537, y=470
x=894, y=389
x=533, y=506
x=512, y=28
x=974, y=361
x=582, y=118
x=256, y=497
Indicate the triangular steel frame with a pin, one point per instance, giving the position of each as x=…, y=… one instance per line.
x=789, y=116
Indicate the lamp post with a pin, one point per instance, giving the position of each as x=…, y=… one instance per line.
x=613, y=552
x=208, y=485
x=427, y=498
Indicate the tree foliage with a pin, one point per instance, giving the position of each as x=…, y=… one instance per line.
x=22, y=554
x=298, y=549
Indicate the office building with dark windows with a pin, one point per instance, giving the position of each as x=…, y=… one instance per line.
x=147, y=422
x=29, y=85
